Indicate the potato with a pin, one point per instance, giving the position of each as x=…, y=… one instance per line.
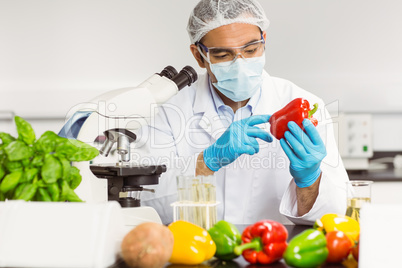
x=149, y=245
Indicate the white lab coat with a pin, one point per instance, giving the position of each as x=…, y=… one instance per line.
x=253, y=187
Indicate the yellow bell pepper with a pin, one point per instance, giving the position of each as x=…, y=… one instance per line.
x=192, y=243
x=335, y=222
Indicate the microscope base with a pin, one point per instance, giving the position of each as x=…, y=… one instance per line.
x=136, y=215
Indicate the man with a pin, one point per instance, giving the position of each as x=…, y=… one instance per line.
x=220, y=125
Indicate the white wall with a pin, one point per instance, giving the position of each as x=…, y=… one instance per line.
x=346, y=51
x=57, y=53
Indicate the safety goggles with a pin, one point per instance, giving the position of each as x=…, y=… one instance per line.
x=230, y=54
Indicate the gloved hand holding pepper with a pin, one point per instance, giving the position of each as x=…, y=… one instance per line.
x=238, y=139
x=305, y=150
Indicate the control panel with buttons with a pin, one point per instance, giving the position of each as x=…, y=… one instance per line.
x=355, y=139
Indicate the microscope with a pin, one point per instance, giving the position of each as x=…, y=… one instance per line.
x=113, y=119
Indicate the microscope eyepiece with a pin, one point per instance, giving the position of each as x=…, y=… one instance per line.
x=185, y=77
x=169, y=72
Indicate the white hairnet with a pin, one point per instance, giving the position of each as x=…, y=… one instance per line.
x=210, y=14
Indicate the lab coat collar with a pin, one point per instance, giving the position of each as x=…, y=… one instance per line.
x=203, y=103
x=203, y=97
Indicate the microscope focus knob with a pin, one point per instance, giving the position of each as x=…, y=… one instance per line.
x=114, y=190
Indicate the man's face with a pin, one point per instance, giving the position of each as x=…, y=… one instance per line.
x=232, y=35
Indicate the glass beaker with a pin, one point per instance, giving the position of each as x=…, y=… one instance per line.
x=358, y=193
x=197, y=200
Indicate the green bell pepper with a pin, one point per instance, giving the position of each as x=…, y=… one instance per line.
x=226, y=237
x=307, y=249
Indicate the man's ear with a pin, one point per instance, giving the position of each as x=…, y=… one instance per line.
x=264, y=35
x=197, y=56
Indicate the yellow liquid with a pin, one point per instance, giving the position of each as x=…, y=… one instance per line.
x=204, y=193
x=210, y=196
x=198, y=197
x=184, y=212
x=354, y=205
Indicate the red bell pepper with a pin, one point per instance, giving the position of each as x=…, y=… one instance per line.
x=263, y=242
x=297, y=110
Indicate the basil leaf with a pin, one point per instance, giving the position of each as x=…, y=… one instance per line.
x=28, y=192
x=73, y=197
x=26, y=163
x=75, y=178
x=18, y=190
x=70, y=174
x=85, y=152
x=67, y=194
x=13, y=166
x=54, y=191
x=17, y=150
x=66, y=165
x=6, y=138
x=51, y=169
x=10, y=181
x=41, y=183
x=37, y=161
x=30, y=174
x=47, y=142
x=44, y=195
x=75, y=150
x=65, y=148
x=2, y=172
x=25, y=131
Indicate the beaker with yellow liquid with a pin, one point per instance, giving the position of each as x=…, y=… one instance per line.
x=196, y=200
x=358, y=194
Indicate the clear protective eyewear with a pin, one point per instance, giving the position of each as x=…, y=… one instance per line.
x=229, y=54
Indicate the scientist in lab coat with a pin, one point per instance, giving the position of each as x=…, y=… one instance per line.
x=218, y=126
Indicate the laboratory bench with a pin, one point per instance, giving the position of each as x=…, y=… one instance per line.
x=381, y=169
x=239, y=262
x=381, y=175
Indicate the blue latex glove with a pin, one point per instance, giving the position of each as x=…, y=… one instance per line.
x=239, y=138
x=305, y=151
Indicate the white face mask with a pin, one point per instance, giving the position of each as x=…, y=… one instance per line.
x=240, y=80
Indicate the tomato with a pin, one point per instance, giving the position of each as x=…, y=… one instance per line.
x=339, y=246
x=355, y=251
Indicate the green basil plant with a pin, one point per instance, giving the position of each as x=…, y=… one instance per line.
x=40, y=169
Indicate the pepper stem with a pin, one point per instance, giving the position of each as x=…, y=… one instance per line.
x=319, y=226
x=312, y=111
x=255, y=244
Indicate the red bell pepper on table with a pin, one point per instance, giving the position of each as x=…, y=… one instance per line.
x=263, y=242
x=297, y=110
